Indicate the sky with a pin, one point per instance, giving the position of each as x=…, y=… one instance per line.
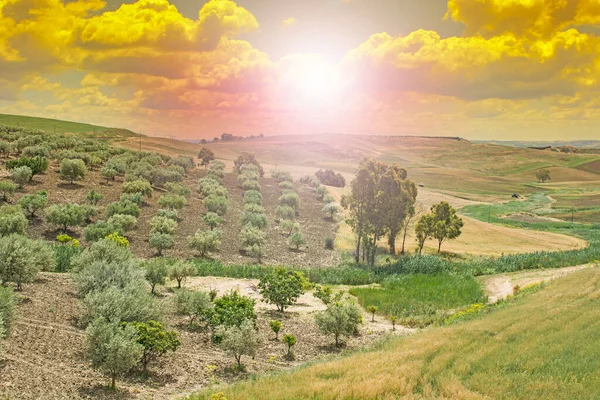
x=478, y=69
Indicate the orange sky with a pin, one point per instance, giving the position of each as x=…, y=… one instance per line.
x=485, y=69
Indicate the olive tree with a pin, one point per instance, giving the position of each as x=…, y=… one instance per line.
x=21, y=175
x=195, y=305
x=66, y=215
x=253, y=240
x=156, y=271
x=130, y=303
x=172, y=202
x=216, y=204
x=12, y=220
x=206, y=156
x=331, y=210
x=238, y=341
x=181, y=270
x=205, y=242
x=125, y=222
x=160, y=224
x=7, y=188
x=72, y=170
x=296, y=240
x=340, y=319
x=139, y=186
x=282, y=287
x=109, y=173
x=94, y=197
x=212, y=220
x=113, y=349
x=22, y=258
x=161, y=242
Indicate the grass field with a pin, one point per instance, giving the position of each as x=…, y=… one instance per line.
x=544, y=345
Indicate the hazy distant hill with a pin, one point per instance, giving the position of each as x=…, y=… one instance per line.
x=588, y=144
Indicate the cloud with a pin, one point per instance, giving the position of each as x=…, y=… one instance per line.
x=289, y=21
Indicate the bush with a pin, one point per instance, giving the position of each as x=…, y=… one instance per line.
x=31, y=203
x=321, y=192
x=290, y=199
x=21, y=175
x=135, y=198
x=66, y=215
x=184, y=162
x=177, y=189
x=194, y=305
x=205, y=242
x=72, y=170
x=22, y=258
x=113, y=349
x=109, y=173
x=12, y=220
x=171, y=214
x=124, y=208
x=251, y=185
x=252, y=235
x=7, y=310
x=297, y=240
x=100, y=230
x=282, y=287
x=127, y=304
x=275, y=327
x=162, y=225
x=156, y=271
x=285, y=212
x=212, y=220
x=253, y=197
x=33, y=151
x=101, y=274
x=159, y=176
x=206, y=156
x=172, y=202
x=89, y=212
x=340, y=319
x=94, y=197
x=281, y=176
x=121, y=241
x=155, y=339
x=286, y=185
x=216, y=204
x=290, y=341
x=290, y=227
x=124, y=222
x=254, y=208
x=329, y=243
x=103, y=250
x=240, y=340
x=161, y=242
x=231, y=309
x=257, y=220
x=244, y=159
x=181, y=270
x=138, y=186
x=7, y=188
x=64, y=254
x=330, y=178
x=36, y=164
x=331, y=210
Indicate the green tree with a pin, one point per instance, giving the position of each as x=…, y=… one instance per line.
x=331, y=210
x=244, y=159
x=172, y=202
x=206, y=156
x=36, y=164
x=253, y=239
x=212, y=220
x=109, y=173
x=156, y=271
x=125, y=222
x=194, y=304
x=162, y=225
x=373, y=310
x=94, y=197
x=282, y=287
x=100, y=230
x=31, y=203
x=161, y=242
x=22, y=258
x=446, y=225
x=285, y=213
x=291, y=199
x=216, y=204
x=423, y=230
x=12, y=220
x=275, y=327
x=290, y=341
x=7, y=188
x=65, y=215
x=127, y=304
x=113, y=349
x=543, y=175
x=205, y=242
x=257, y=220
x=340, y=319
x=181, y=270
x=139, y=186
x=21, y=175
x=240, y=340
x=123, y=207
x=72, y=170
x=297, y=240
x=231, y=309
x=155, y=340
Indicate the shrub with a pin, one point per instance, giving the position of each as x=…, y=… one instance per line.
x=138, y=186
x=240, y=340
x=7, y=310
x=205, y=242
x=321, y=192
x=290, y=199
x=194, y=305
x=330, y=178
x=155, y=339
x=36, y=164
x=118, y=239
x=251, y=236
x=208, y=185
x=100, y=230
x=281, y=176
x=103, y=272
x=156, y=271
x=251, y=185
x=113, y=349
x=290, y=341
x=286, y=185
x=66, y=215
x=206, y=156
x=329, y=243
x=21, y=175
x=253, y=197
x=135, y=198
x=325, y=294
x=127, y=304
x=64, y=254
x=94, y=197
x=32, y=151
x=297, y=240
x=247, y=159
x=257, y=220
x=184, y=162
x=72, y=170
x=103, y=250
x=31, y=203
x=178, y=189
x=373, y=310
x=181, y=270
x=282, y=287
x=254, y=208
x=212, y=220
x=108, y=173
x=171, y=214
x=22, y=258
x=160, y=177
x=172, y=202
x=124, y=208
x=89, y=212
x=124, y=222
x=290, y=227
x=275, y=327
x=162, y=225
x=231, y=309
x=216, y=204
x=7, y=188
x=331, y=210
x=340, y=319
x=285, y=213
x=161, y=242
x=12, y=220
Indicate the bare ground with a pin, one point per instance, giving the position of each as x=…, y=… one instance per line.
x=45, y=354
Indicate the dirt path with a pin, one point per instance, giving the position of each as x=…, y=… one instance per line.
x=500, y=286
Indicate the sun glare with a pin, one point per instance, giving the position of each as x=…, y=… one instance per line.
x=314, y=82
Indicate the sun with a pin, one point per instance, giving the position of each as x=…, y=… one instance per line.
x=313, y=82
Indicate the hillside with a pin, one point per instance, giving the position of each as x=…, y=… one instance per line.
x=545, y=345
x=65, y=127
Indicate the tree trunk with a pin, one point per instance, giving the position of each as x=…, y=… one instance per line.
x=113, y=379
x=239, y=360
x=374, y=250
x=178, y=283
x=337, y=339
x=439, y=246
x=392, y=241
x=357, y=254
x=403, y=241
